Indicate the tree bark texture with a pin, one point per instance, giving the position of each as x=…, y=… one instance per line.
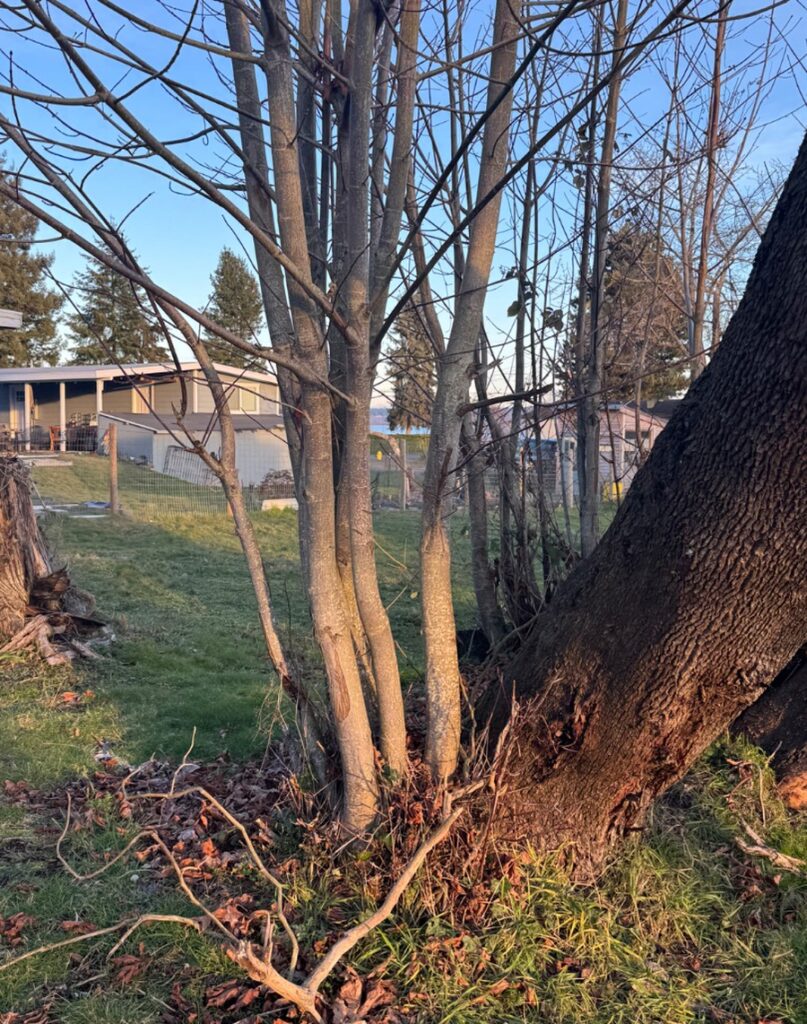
x=456, y=365
x=595, y=360
x=318, y=507
x=490, y=616
x=777, y=722
x=23, y=559
x=696, y=597
x=360, y=373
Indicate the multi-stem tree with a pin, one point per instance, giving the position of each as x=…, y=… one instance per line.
x=329, y=126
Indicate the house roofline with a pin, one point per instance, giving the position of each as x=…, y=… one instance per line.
x=111, y=371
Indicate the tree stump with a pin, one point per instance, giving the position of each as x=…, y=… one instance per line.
x=37, y=602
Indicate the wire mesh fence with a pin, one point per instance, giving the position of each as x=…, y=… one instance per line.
x=77, y=484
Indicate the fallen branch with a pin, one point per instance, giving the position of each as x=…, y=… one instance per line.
x=255, y=960
x=305, y=995
x=129, y=925
x=758, y=848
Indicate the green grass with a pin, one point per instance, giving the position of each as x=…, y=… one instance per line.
x=187, y=651
x=681, y=929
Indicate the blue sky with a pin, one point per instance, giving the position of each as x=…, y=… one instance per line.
x=178, y=237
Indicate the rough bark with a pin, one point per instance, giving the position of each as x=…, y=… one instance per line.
x=777, y=722
x=23, y=558
x=696, y=597
x=38, y=604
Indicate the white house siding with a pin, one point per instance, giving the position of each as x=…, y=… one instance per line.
x=134, y=442
x=257, y=452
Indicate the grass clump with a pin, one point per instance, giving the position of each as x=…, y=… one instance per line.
x=681, y=928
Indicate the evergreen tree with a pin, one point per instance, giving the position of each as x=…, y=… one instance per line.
x=643, y=317
x=235, y=303
x=23, y=289
x=114, y=323
x=412, y=371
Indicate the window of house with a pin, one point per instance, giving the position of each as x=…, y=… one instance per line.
x=249, y=397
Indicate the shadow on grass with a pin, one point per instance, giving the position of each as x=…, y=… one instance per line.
x=188, y=650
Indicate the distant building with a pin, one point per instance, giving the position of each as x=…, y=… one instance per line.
x=626, y=436
x=70, y=408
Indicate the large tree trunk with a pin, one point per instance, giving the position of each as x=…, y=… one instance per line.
x=696, y=597
x=777, y=722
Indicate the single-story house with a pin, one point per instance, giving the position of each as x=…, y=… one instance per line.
x=627, y=434
x=70, y=408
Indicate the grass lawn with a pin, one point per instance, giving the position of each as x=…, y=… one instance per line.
x=188, y=650
x=682, y=929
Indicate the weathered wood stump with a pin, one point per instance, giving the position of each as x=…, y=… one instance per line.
x=37, y=602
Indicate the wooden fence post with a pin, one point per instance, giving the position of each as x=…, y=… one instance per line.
x=114, y=500
x=404, y=477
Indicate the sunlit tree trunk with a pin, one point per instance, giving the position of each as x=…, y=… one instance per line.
x=455, y=365
x=696, y=597
x=318, y=518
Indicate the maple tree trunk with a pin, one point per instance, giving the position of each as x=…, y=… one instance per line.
x=455, y=365
x=697, y=595
x=777, y=722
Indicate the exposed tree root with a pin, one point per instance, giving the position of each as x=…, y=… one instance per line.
x=758, y=848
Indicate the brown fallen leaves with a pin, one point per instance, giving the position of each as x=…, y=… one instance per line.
x=357, y=1001
x=42, y=1015
x=11, y=928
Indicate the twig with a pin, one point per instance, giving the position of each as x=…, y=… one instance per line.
x=65, y=942
x=256, y=858
x=343, y=946
x=93, y=874
x=188, y=922
x=758, y=848
x=189, y=892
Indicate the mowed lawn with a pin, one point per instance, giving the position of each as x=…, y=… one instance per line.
x=187, y=650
